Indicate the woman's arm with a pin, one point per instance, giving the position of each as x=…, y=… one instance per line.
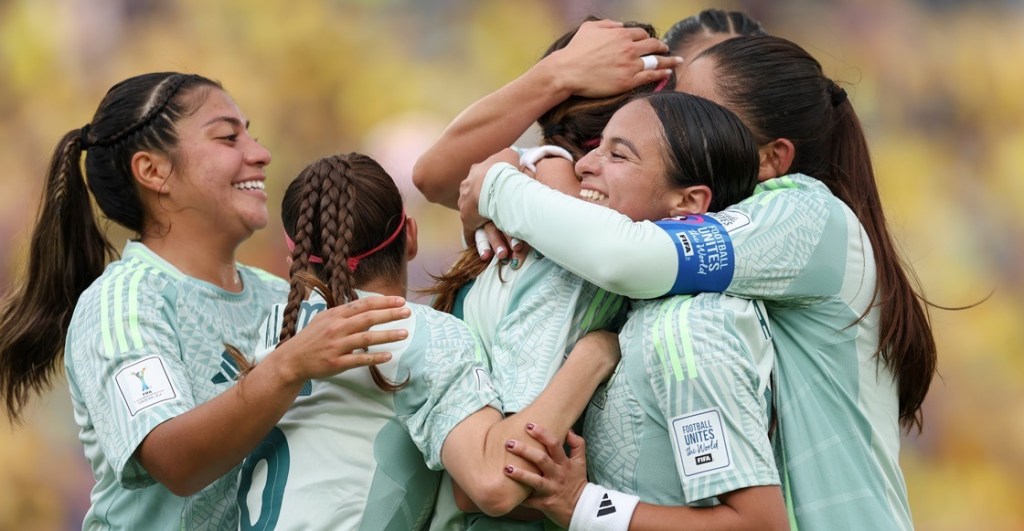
x=477, y=467
x=635, y=259
x=561, y=491
x=188, y=452
x=602, y=58
x=792, y=240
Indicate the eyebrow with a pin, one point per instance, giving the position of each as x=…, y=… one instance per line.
x=229, y=119
x=629, y=145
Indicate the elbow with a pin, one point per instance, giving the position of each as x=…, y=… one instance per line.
x=422, y=172
x=178, y=483
x=496, y=496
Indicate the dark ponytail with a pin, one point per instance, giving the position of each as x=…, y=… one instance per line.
x=68, y=251
x=780, y=91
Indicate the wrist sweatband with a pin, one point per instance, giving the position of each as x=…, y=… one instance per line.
x=531, y=156
x=601, y=509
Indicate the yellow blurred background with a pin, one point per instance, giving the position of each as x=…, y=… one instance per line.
x=933, y=81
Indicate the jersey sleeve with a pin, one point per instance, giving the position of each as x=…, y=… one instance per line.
x=708, y=391
x=789, y=242
x=126, y=361
x=635, y=259
x=448, y=380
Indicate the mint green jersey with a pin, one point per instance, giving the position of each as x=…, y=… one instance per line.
x=685, y=416
x=347, y=455
x=801, y=250
x=146, y=343
x=529, y=319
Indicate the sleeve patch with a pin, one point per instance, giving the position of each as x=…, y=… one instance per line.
x=706, y=255
x=144, y=384
x=700, y=443
x=732, y=220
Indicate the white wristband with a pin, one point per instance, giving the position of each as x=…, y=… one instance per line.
x=601, y=509
x=531, y=156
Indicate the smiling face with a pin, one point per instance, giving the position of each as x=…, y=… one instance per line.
x=626, y=172
x=217, y=177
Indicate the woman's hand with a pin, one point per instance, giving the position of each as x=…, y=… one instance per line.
x=562, y=479
x=490, y=241
x=328, y=345
x=603, y=59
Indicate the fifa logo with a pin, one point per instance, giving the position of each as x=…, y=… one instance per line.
x=141, y=375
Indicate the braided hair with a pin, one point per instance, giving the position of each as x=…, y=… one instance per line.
x=338, y=207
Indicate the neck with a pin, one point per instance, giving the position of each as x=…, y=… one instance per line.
x=212, y=262
x=393, y=286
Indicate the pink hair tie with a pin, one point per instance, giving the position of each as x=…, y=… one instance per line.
x=661, y=85
x=353, y=262
x=313, y=259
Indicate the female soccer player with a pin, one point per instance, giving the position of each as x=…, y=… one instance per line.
x=855, y=349
x=350, y=452
x=169, y=157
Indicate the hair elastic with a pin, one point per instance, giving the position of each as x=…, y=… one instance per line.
x=313, y=259
x=353, y=262
x=83, y=135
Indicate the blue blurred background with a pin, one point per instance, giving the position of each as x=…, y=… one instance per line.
x=938, y=84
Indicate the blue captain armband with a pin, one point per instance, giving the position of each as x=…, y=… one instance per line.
x=706, y=256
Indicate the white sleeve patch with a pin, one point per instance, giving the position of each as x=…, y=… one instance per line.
x=731, y=220
x=145, y=383
x=700, y=443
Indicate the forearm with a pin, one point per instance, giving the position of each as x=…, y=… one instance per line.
x=190, y=451
x=754, y=508
x=478, y=468
x=484, y=128
x=634, y=259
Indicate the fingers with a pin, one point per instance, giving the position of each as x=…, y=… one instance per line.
x=530, y=479
x=550, y=442
x=364, y=340
x=483, y=245
x=541, y=458
x=360, y=359
x=577, y=446
x=359, y=306
x=496, y=240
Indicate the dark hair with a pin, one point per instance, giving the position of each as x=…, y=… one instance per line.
x=706, y=144
x=710, y=21
x=572, y=124
x=339, y=207
x=68, y=251
x=780, y=92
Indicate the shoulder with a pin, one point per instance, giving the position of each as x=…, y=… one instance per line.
x=263, y=281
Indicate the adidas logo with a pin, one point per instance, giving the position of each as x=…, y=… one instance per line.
x=229, y=369
x=606, y=507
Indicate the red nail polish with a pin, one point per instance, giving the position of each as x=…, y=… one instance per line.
x=530, y=426
x=510, y=444
x=508, y=469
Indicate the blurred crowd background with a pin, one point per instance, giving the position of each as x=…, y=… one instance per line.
x=939, y=85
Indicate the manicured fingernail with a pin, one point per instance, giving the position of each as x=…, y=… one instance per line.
x=501, y=252
x=530, y=426
x=516, y=243
x=537, y=255
x=510, y=444
x=515, y=263
x=508, y=469
x=504, y=261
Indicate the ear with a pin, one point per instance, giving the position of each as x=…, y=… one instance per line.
x=151, y=170
x=776, y=158
x=690, y=200
x=411, y=239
